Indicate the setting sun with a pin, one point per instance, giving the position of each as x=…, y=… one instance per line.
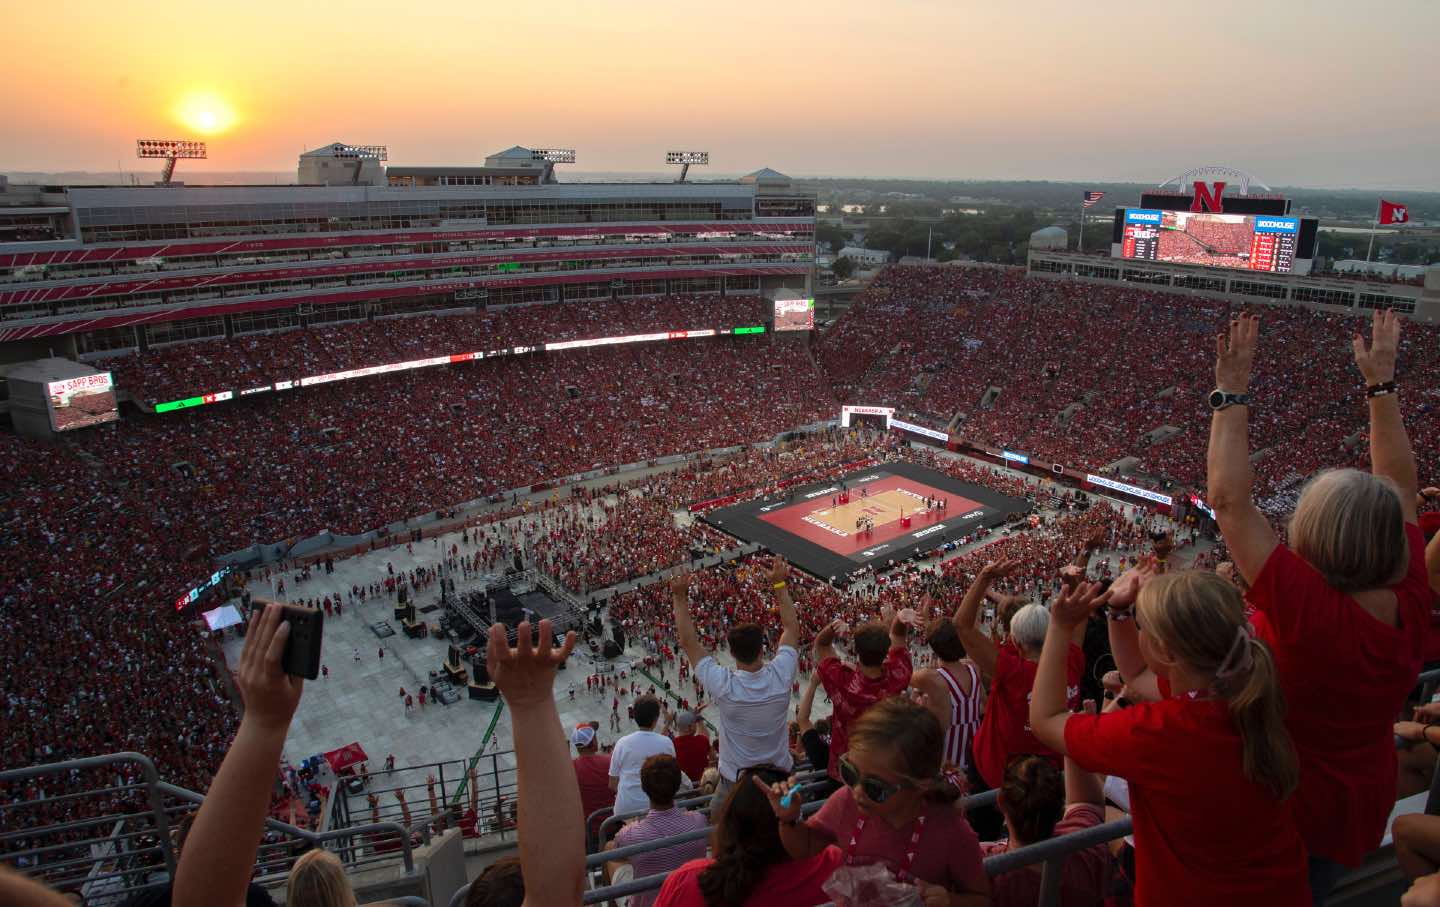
x=205, y=112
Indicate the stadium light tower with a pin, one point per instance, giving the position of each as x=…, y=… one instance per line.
x=171, y=150
x=553, y=155
x=685, y=159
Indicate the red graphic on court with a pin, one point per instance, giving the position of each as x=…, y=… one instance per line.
x=894, y=504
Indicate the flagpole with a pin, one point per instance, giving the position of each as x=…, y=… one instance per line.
x=1374, y=226
x=1080, y=243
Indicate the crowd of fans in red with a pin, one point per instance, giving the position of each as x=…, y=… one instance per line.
x=1085, y=372
x=174, y=372
x=353, y=456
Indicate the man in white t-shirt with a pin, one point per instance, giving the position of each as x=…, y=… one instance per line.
x=630, y=754
x=752, y=700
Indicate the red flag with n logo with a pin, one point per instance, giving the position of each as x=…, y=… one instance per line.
x=1394, y=212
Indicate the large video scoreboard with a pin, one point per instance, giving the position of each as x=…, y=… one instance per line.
x=1255, y=242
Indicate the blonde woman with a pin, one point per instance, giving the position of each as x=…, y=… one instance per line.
x=318, y=880
x=1344, y=606
x=1210, y=767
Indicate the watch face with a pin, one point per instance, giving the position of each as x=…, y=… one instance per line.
x=1217, y=399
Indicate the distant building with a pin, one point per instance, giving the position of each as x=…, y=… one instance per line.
x=1379, y=268
x=1049, y=238
x=865, y=257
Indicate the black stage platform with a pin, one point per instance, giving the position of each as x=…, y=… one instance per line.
x=820, y=527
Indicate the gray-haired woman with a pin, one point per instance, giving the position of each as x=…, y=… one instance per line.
x=1344, y=606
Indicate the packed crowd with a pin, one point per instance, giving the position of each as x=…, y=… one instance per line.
x=184, y=370
x=356, y=455
x=1085, y=373
x=352, y=457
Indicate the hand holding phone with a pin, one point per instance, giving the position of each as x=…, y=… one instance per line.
x=269, y=694
x=301, y=657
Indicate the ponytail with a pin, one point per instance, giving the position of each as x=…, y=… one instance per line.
x=1200, y=618
x=1258, y=707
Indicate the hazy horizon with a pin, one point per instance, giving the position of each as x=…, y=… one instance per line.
x=1318, y=94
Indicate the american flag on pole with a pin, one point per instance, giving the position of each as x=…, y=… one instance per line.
x=1092, y=197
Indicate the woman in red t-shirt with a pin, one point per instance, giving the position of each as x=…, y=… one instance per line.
x=898, y=810
x=748, y=865
x=1010, y=669
x=1345, y=606
x=1210, y=769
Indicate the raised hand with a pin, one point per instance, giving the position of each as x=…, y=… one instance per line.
x=1070, y=576
x=1126, y=589
x=526, y=673
x=1002, y=568
x=826, y=636
x=1072, y=607
x=1235, y=354
x=269, y=694
x=680, y=584
x=779, y=570
x=775, y=793
x=1377, y=361
x=908, y=616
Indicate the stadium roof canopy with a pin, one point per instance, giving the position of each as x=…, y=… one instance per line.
x=765, y=175
x=44, y=371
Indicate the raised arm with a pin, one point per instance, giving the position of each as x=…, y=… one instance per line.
x=807, y=702
x=1228, y=477
x=684, y=623
x=979, y=647
x=801, y=840
x=899, y=629
x=219, y=855
x=1048, y=708
x=824, y=646
x=404, y=808
x=552, y=843
x=1125, y=636
x=789, y=623
x=434, y=804
x=1390, y=453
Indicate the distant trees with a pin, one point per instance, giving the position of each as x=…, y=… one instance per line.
x=843, y=268
x=832, y=236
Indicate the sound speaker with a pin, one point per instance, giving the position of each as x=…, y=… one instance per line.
x=612, y=649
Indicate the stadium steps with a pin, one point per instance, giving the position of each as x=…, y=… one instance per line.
x=879, y=364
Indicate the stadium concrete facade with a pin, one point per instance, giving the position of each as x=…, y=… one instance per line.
x=87, y=271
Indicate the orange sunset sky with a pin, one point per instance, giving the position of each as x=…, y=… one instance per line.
x=1317, y=93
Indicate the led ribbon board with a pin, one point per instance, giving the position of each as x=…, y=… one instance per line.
x=204, y=399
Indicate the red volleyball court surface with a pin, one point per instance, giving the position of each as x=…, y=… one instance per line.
x=889, y=501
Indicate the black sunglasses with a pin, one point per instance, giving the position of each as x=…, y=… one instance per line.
x=876, y=789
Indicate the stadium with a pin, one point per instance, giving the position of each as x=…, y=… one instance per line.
x=421, y=402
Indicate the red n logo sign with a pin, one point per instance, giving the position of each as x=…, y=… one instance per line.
x=1207, y=200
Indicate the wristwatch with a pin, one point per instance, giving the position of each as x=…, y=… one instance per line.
x=1224, y=399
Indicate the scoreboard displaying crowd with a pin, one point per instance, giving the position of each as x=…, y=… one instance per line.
x=81, y=402
x=1210, y=228
x=795, y=314
x=1254, y=242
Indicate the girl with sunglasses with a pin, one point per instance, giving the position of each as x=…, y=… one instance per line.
x=896, y=809
x=1210, y=767
x=749, y=865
